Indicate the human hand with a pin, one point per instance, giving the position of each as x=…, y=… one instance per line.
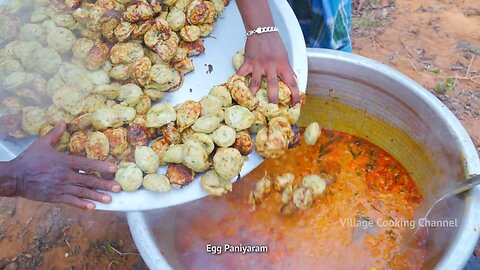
x=43, y=174
x=266, y=55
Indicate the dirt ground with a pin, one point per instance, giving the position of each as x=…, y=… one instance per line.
x=435, y=42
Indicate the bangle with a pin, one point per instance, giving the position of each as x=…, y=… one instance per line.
x=262, y=30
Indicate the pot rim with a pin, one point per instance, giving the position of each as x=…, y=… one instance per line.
x=467, y=233
x=465, y=237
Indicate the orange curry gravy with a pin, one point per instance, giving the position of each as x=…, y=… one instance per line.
x=369, y=185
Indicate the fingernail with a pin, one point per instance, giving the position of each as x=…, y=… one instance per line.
x=116, y=189
x=112, y=168
x=106, y=199
x=90, y=206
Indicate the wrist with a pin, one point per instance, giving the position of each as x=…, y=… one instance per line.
x=264, y=38
x=9, y=180
x=261, y=31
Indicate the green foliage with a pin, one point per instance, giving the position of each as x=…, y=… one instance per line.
x=436, y=71
x=365, y=23
x=446, y=85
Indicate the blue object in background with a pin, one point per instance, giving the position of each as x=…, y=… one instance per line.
x=473, y=264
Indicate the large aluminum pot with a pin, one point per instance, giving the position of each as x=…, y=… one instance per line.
x=356, y=95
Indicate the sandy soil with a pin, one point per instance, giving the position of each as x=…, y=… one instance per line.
x=44, y=236
x=435, y=42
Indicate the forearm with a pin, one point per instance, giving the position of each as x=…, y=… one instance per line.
x=265, y=54
x=255, y=13
x=8, y=182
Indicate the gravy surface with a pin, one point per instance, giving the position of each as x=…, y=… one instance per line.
x=356, y=224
